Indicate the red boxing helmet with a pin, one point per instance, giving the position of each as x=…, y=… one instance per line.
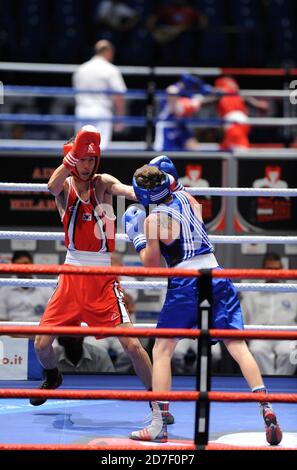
x=227, y=84
x=93, y=151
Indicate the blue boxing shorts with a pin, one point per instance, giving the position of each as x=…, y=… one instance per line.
x=180, y=309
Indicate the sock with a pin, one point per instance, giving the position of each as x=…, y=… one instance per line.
x=157, y=430
x=262, y=389
x=161, y=409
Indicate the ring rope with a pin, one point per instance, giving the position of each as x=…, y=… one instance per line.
x=144, y=332
x=153, y=272
x=100, y=446
x=137, y=121
x=220, y=239
x=103, y=446
x=212, y=191
x=114, y=447
x=22, y=90
x=145, y=70
x=137, y=149
x=135, y=395
x=241, y=287
x=151, y=324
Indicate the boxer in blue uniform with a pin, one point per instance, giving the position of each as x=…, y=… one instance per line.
x=172, y=132
x=183, y=100
x=175, y=229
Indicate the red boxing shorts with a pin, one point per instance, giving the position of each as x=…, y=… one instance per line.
x=236, y=136
x=95, y=300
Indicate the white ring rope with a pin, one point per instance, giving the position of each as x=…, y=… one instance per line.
x=42, y=67
x=138, y=121
x=153, y=324
x=219, y=239
x=128, y=149
x=241, y=287
x=44, y=91
x=212, y=191
x=25, y=187
x=68, y=68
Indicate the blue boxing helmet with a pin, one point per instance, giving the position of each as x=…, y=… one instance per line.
x=152, y=196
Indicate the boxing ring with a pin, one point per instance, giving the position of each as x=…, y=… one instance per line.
x=98, y=412
x=75, y=420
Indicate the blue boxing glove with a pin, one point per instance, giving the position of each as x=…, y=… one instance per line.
x=190, y=81
x=165, y=164
x=133, y=222
x=195, y=85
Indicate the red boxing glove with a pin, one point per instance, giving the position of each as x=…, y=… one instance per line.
x=186, y=107
x=80, y=148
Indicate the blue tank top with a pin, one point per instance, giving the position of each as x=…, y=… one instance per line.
x=193, y=239
x=173, y=134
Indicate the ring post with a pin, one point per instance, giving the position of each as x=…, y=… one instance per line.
x=150, y=112
x=203, y=372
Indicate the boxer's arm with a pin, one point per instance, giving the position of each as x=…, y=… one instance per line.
x=151, y=254
x=57, y=182
x=116, y=188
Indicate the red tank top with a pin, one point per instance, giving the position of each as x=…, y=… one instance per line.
x=228, y=104
x=86, y=226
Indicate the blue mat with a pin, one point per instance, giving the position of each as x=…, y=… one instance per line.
x=79, y=421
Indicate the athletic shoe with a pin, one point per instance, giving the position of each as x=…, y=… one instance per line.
x=273, y=431
x=49, y=385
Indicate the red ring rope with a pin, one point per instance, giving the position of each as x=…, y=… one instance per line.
x=155, y=272
x=155, y=447
x=144, y=332
x=134, y=395
x=271, y=72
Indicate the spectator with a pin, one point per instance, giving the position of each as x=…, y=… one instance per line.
x=23, y=303
x=112, y=346
x=117, y=15
x=17, y=132
x=172, y=27
x=271, y=308
x=185, y=354
x=99, y=73
x=75, y=355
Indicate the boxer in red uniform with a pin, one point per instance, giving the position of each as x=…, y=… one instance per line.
x=84, y=201
x=233, y=108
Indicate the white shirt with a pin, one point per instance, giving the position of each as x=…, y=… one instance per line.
x=269, y=308
x=97, y=74
x=19, y=304
x=93, y=359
